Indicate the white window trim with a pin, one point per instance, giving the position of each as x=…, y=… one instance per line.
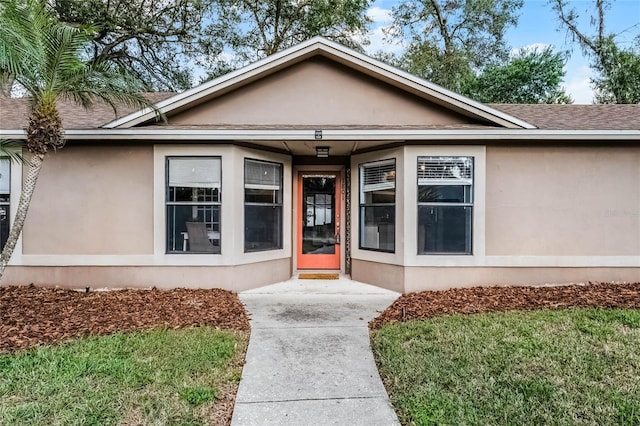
x=395, y=258
x=477, y=256
x=14, y=198
x=362, y=189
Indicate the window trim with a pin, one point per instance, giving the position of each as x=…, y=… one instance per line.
x=167, y=203
x=362, y=204
x=470, y=204
x=8, y=204
x=279, y=204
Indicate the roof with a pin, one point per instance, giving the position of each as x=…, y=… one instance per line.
x=13, y=112
x=576, y=117
x=545, y=117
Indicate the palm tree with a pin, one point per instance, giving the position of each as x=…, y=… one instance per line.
x=43, y=56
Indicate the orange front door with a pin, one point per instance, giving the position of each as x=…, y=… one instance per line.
x=318, y=220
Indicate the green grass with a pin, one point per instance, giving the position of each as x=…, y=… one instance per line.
x=154, y=377
x=564, y=367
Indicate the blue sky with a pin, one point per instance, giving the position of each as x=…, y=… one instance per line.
x=538, y=26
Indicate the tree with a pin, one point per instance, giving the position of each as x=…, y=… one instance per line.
x=155, y=40
x=450, y=40
x=531, y=76
x=246, y=30
x=43, y=56
x=618, y=79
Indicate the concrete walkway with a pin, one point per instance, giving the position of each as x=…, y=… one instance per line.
x=309, y=361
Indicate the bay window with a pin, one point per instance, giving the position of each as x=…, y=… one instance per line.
x=377, y=205
x=262, y=205
x=193, y=204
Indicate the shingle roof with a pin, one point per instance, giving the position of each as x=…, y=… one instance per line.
x=13, y=113
x=576, y=117
x=549, y=117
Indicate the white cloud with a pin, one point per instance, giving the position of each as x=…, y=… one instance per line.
x=379, y=42
x=379, y=15
x=578, y=85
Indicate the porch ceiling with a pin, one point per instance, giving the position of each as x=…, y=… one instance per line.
x=308, y=148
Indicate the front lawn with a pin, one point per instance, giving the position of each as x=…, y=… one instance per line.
x=144, y=377
x=573, y=366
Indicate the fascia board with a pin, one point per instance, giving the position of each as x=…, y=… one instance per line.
x=333, y=135
x=345, y=56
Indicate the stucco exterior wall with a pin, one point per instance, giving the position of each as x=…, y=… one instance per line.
x=413, y=279
x=92, y=200
x=317, y=93
x=563, y=201
x=235, y=278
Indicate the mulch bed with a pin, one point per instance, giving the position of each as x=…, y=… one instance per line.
x=31, y=316
x=473, y=300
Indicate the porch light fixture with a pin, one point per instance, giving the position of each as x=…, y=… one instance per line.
x=322, y=151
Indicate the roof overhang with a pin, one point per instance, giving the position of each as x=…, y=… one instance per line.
x=159, y=134
x=348, y=57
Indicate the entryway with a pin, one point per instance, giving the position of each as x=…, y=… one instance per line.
x=319, y=224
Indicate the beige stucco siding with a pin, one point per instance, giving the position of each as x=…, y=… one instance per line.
x=563, y=201
x=236, y=278
x=93, y=200
x=413, y=279
x=317, y=92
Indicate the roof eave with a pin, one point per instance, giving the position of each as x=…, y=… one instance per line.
x=160, y=134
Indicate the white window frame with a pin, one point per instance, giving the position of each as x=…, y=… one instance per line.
x=411, y=256
x=464, y=181
x=277, y=186
x=194, y=204
x=389, y=183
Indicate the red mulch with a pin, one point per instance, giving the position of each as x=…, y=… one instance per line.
x=30, y=316
x=473, y=300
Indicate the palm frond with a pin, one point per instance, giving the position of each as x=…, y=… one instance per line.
x=44, y=55
x=12, y=149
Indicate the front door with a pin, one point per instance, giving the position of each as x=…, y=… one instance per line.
x=318, y=220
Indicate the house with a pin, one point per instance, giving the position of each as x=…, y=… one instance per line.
x=321, y=158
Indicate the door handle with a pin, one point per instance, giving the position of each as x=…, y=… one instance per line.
x=337, y=238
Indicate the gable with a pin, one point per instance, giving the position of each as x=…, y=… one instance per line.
x=319, y=47
x=319, y=92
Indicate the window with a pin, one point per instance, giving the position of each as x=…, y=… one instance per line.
x=262, y=205
x=445, y=205
x=5, y=199
x=378, y=205
x=193, y=204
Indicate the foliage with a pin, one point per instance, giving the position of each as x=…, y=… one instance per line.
x=130, y=378
x=43, y=56
x=536, y=367
x=529, y=77
x=450, y=40
x=618, y=79
x=245, y=30
x=153, y=40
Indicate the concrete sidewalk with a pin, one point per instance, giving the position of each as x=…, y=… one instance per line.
x=309, y=361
